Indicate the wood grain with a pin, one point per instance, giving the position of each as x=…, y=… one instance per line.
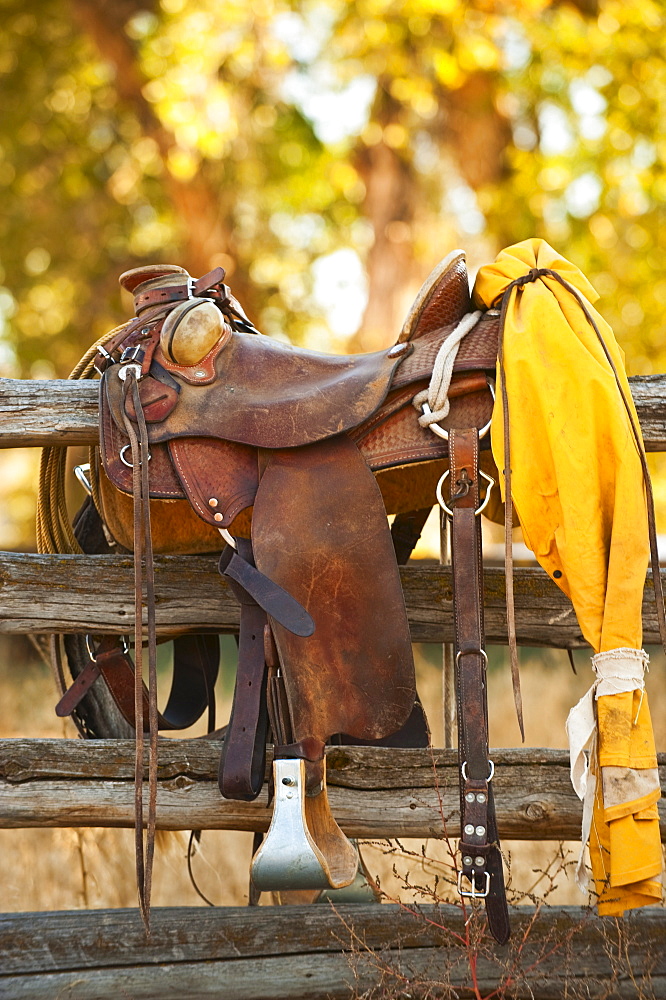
x=40, y=412
x=306, y=953
x=95, y=594
x=35, y=413
x=374, y=792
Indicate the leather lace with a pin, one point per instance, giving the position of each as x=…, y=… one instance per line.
x=143, y=555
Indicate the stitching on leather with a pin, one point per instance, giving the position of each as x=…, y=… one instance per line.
x=244, y=501
x=414, y=453
x=191, y=486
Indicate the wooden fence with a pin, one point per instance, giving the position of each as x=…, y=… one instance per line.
x=291, y=952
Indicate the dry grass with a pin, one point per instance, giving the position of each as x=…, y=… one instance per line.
x=67, y=869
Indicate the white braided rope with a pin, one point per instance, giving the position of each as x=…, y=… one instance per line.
x=437, y=393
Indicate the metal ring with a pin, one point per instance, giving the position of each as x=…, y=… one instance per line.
x=469, y=652
x=229, y=539
x=463, y=770
x=82, y=472
x=124, y=369
x=93, y=656
x=442, y=432
x=130, y=465
x=479, y=510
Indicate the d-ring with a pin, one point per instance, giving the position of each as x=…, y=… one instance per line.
x=228, y=537
x=440, y=498
x=443, y=433
x=130, y=465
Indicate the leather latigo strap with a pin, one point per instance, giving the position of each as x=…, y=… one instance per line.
x=481, y=860
x=243, y=759
x=195, y=669
x=242, y=763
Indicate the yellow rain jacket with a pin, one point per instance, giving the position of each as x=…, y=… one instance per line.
x=578, y=491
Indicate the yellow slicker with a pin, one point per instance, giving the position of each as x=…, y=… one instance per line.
x=577, y=487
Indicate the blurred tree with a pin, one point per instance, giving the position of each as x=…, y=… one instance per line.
x=291, y=141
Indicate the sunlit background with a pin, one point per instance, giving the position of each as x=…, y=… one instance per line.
x=327, y=154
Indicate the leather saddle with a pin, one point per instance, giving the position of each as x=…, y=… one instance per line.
x=296, y=457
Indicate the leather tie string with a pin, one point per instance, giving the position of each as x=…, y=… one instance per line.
x=143, y=553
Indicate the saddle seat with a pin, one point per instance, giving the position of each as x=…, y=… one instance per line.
x=268, y=395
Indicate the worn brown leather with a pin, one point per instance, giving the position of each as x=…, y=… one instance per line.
x=443, y=298
x=479, y=841
x=219, y=478
x=269, y=395
x=243, y=760
x=300, y=455
x=283, y=442
x=355, y=673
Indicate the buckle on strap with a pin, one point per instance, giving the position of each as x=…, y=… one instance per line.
x=473, y=893
x=82, y=473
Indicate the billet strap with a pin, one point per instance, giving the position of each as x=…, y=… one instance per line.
x=243, y=759
x=481, y=860
x=533, y=275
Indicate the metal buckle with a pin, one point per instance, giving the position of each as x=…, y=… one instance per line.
x=471, y=652
x=463, y=769
x=473, y=893
x=479, y=510
x=93, y=655
x=107, y=358
x=443, y=433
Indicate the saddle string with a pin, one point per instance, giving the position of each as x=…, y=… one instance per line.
x=143, y=552
x=53, y=528
x=437, y=393
x=518, y=283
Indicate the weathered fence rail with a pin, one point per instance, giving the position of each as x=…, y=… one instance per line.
x=38, y=413
x=300, y=953
x=374, y=792
x=94, y=594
